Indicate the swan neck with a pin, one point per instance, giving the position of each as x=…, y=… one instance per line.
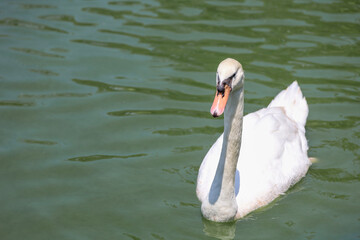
x=232, y=140
x=221, y=205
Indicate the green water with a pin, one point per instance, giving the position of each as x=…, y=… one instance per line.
x=104, y=113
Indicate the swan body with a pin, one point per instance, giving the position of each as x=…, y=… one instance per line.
x=259, y=156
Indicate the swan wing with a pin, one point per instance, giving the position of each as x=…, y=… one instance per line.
x=273, y=154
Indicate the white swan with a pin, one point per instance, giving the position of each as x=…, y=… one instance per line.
x=258, y=157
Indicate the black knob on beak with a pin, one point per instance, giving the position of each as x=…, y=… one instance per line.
x=221, y=88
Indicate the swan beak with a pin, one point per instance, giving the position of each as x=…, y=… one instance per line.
x=220, y=101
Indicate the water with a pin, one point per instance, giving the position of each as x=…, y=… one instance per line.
x=105, y=114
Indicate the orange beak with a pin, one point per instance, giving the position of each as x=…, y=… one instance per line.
x=220, y=101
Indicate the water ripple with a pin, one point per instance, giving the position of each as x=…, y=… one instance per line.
x=37, y=6
x=66, y=18
x=335, y=196
x=186, y=174
x=187, y=149
x=350, y=122
x=44, y=72
x=60, y=62
x=41, y=142
x=107, y=12
x=189, y=131
x=323, y=40
x=37, y=52
x=31, y=25
x=166, y=111
x=104, y=157
x=190, y=82
x=169, y=94
x=331, y=17
x=116, y=45
x=334, y=175
x=332, y=60
x=314, y=100
x=55, y=95
x=16, y=103
x=196, y=36
x=342, y=143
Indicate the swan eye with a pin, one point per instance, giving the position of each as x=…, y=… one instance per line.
x=233, y=75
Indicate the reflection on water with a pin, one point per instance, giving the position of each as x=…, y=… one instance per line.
x=130, y=83
x=222, y=231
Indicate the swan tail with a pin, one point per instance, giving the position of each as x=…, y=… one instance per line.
x=313, y=160
x=293, y=102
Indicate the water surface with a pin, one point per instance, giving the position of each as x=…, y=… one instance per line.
x=105, y=118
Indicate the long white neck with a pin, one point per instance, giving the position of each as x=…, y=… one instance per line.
x=221, y=205
x=232, y=140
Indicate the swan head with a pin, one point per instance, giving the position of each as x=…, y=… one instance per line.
x=229, y=77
